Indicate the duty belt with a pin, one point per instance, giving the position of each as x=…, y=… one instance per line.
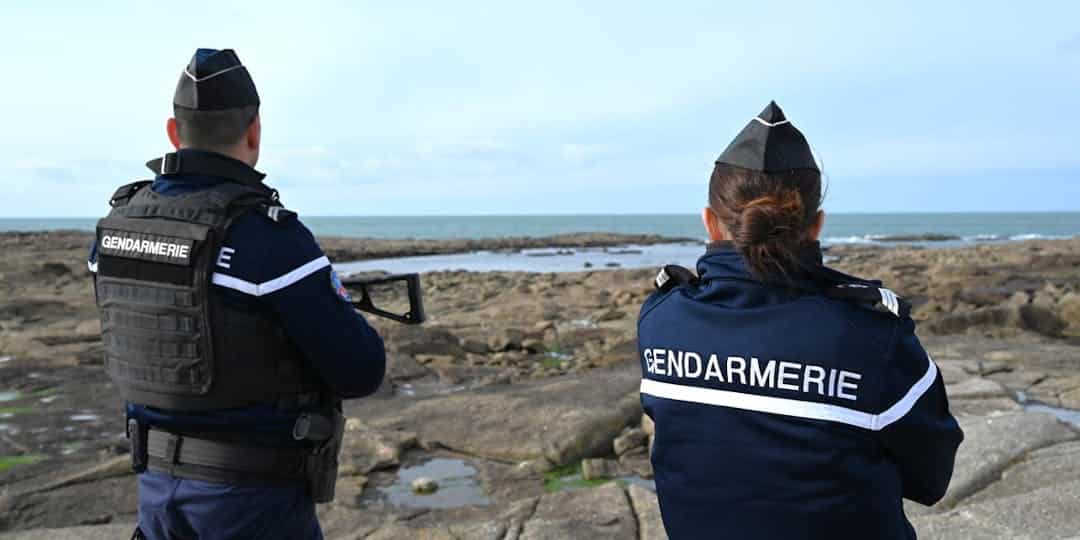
x=222, y=462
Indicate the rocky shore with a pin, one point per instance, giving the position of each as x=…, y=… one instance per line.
x=519, y=397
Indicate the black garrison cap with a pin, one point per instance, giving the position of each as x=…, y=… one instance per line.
x=769, y=143
x=215, y=80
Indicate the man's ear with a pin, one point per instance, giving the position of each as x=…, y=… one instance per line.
x=254, y=134
x=173, y=132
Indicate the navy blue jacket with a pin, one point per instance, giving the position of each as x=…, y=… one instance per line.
x=278, y=269
x=781, y=413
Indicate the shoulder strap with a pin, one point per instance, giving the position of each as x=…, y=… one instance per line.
x=876, y=298
x=672, y=276
x=125, y=192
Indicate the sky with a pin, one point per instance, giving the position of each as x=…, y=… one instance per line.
x=491, y=107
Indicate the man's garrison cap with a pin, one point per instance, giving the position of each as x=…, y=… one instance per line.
x=769, y=143
x=215, y=80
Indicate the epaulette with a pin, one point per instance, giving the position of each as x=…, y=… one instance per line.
x=876, y=298
x=125, y=192
x=276, y=213
x=672, y=276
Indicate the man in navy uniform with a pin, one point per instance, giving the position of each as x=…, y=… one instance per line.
x=790, y=400
x=226, y=329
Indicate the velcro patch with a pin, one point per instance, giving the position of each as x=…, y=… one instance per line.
x=339, y=288
x=145, y=246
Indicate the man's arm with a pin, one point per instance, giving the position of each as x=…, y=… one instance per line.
x=294, y=282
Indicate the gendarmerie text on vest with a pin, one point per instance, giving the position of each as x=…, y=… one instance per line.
x=754, y=372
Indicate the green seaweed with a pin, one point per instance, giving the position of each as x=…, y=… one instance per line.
x=7, y=462
x=12, y=411
x=569, y=477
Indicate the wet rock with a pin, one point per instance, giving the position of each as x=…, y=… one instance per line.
x=560, y=420
x=506, y=339
x=532, y=344
x=435, y=359
x=631, y=440
x=1069, y=310
x=474, y=346
x=608, y=315
x=976, y=388
x=366, y=449
x=596, y=514
x=417, y=340
x=647, y=425
x=647, y=509
x=599, y=469
x=992, y=443
x=92, y=532
x=400, y=367
x=1045, y=513
x=637, y=463
x=424, y=486
x=1027, y=317
x=1053, y=465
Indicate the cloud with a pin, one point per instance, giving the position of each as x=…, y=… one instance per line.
x=43, y=169
x=584, y=154
x=1071, y=45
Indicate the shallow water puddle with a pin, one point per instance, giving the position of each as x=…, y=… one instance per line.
x=84, y=417
x=1070, y=416
x=10, y=395
x=457, y=485
x=1065, y=415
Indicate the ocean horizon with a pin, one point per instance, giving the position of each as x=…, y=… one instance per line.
x=951, y=228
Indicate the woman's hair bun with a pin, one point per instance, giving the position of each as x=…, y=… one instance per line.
x=770, y=218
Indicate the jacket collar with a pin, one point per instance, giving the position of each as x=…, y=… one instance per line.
x=189, y=161
x=722, y=261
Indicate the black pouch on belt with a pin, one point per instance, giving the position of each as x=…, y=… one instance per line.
x=137, y=434
x=321, y=465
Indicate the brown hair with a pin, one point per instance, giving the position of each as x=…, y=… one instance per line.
x=769, y=215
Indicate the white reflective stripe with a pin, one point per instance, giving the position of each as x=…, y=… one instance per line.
x=276, y=284
x=794, y=407
x=212, y=75
x=902, y=407
x=92, y=265
x=770, y=124
x=890, y=301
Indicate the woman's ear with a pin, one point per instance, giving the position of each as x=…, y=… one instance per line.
x=716, y=230
x=819, y=223
x=174, y=133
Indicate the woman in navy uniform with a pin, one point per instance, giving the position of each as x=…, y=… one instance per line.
x=791, y=401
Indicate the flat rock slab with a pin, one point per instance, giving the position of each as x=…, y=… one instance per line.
x=647, y=508
x=558, y=420
x=1050, y=466
x=599, y=513
x=976, y=388
x=602, y=512
x=91, y=532
x=993, y=443
x=1042, y=514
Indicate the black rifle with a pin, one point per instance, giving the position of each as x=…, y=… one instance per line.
x=415, y=314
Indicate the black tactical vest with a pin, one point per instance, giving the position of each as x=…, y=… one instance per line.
x=169, y=342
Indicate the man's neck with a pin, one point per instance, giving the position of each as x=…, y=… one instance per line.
x=227, y=152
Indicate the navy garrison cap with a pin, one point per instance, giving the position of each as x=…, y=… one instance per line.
x=769, y=143
x=215, y=80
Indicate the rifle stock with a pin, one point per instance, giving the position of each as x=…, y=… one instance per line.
x=415, y=314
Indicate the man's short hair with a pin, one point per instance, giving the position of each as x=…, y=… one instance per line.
x=213, y=129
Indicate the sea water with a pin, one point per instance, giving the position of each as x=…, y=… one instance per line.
x=839, y=228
